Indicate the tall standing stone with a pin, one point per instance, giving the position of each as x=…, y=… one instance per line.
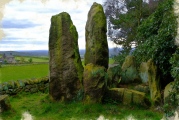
x=96, y=39
x=66, y=69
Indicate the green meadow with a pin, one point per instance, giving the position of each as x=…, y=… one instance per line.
x=34, y=59
x=11, y=72
x=41, y=108
x=22, y=72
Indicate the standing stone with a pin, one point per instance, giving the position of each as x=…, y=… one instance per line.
x=96, y=39
x=154, y=82
x=129, y=70
x=66, y=69
x=143, y=72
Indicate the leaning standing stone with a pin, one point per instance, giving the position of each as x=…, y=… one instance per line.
x=66, y=69
x=154, y=83
x=96, y=39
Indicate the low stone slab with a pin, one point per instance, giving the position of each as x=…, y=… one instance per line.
x=127, y=96
x=142, y=88
x=4, y=103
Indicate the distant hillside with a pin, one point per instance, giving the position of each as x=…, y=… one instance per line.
x=45, y=52
x=27, y=53
x=112, y=52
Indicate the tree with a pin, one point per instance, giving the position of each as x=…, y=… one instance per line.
x=124, y=16
x=30, y=60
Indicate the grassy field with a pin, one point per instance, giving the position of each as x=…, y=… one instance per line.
x=41, y=108
x=21, y=72
x=26, y=71
x=34, y=59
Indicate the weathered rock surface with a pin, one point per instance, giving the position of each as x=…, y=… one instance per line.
x=113, y=77
x=94, y=83
x=4, y=103
x=127, y=96
x=129, y=71
x=66, y=69
x=167, y=90
x=154, y=82
x=96, y=39
x=142, y=88
x=143, y=72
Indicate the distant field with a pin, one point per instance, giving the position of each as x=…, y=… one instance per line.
x=16, y=72
x=111, y=61
x=27, y=71
x=34, y=59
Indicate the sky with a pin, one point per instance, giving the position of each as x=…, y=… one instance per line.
x=25, y=24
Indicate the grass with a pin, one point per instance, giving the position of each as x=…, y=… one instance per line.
x=27, y=71
x=111, y=61
x=41, y=108
x=21, y=72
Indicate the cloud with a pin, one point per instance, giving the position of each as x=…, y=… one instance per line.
x=19, y=24
x=26, y=23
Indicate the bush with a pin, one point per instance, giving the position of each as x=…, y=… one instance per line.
x=157, y=35
x=172, y=103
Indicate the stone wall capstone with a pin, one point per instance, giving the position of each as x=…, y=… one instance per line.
x=96, y=39
x=66, y=70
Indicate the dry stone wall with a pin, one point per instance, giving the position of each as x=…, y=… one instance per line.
x=31, y=86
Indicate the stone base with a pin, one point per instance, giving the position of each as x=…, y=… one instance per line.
x=4, y=103
x=127, y=96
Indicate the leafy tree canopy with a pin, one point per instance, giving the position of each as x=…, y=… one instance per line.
x=124, y=16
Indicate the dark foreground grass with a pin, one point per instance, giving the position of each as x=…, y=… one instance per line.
x=23, y=72
x=41, y=108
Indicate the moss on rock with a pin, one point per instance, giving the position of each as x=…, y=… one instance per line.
x=154, y=83
x=129, y=71
x=127, y=96
x=94, y=83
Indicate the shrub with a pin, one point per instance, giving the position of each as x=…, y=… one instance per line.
x=172, y=103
